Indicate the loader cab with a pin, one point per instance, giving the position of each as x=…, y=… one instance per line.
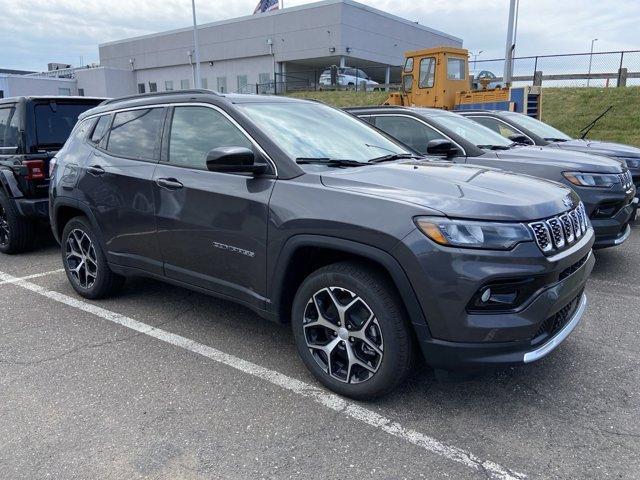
x=431, y=77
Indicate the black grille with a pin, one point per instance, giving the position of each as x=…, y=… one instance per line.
x=552, y=325
x=556, y=233
x=626, y=179
x=567, y=272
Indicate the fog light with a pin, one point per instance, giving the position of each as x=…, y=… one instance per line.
x=486, y=295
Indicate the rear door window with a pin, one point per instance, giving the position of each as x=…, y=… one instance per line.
x=136, y=133
x=197, y=130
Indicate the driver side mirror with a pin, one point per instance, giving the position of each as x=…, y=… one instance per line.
x=442, y=148
x=519, y=138
x=234, y=160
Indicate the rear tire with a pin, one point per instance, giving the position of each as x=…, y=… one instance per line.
x=17, y=233
x=351, y=330
x=85, y=263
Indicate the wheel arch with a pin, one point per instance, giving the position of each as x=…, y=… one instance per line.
x=304, y=254
x=64, y=209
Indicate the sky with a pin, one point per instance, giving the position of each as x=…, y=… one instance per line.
x=35, y=32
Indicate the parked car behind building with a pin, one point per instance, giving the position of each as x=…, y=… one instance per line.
x=348, y=77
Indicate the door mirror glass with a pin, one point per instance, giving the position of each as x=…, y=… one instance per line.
x=233, y=160
x=441, y=148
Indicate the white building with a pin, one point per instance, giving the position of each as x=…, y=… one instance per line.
x=245, y=54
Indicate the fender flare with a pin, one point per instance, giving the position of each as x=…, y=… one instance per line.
x=381, y=257
x=9, y=184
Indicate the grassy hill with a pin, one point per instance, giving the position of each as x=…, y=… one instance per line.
x=568, y=109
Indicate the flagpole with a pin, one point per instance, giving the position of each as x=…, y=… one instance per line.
x=196, y=49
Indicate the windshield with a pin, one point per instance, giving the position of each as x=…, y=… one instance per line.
x=537, y=127
x=471, y=131
x=54, y=121
x=313, y=130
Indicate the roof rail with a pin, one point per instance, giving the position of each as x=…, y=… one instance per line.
x=160, y=94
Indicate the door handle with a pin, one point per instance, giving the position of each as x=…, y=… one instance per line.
x=96, y=170
x=169, y=183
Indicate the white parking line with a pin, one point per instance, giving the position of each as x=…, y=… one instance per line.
x=303, y=389
x=35, y=275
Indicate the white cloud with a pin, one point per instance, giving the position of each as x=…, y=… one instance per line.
x=39, y=31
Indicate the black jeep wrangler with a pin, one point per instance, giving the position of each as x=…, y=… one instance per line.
x=32, y=130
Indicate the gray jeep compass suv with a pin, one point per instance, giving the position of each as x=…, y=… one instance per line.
x=307, y=215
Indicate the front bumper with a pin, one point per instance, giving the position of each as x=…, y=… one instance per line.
x=37, y=209
x=445, y=280
x=615, y=230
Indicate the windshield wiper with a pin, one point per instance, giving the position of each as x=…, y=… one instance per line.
x=552, y=139
x=494, y=147
x=331, y=162
x=389, y=158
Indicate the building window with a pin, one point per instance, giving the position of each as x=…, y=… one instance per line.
x=222, y=84
x=141, y=88
x=81, y=92
x=204, y=83
x=168, y=85
x=64, y=91
x=242, y=83
x=184, y=84
x=153, y=87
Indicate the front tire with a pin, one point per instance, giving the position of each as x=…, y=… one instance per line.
x=351, y=330
x=85, y=263
x=16, y=232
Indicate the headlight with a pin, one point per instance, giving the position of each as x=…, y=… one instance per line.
x=473, y=234
x=631, y=162
x=602, y=180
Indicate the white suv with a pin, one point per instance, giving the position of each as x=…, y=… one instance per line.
x=348, y=76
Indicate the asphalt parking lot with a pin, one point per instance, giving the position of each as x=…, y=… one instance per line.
x=91, y=390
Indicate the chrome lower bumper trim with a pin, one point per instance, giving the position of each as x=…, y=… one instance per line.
x=624, y=237
x=548, y=347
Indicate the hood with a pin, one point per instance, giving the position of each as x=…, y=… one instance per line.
x=569, y=160
x=601, y=148
x=457, y=191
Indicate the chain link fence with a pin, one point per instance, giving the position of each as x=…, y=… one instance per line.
x=600, y=69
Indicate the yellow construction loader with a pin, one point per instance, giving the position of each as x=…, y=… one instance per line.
x=439, y=78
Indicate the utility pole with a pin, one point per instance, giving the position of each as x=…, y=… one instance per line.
x=511, y=44
x=590, y=61
x=196, y=49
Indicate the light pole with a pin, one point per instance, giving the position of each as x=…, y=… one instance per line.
x=590, y=61
x=475, y=57
x=511, y=41
x=196, y=49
